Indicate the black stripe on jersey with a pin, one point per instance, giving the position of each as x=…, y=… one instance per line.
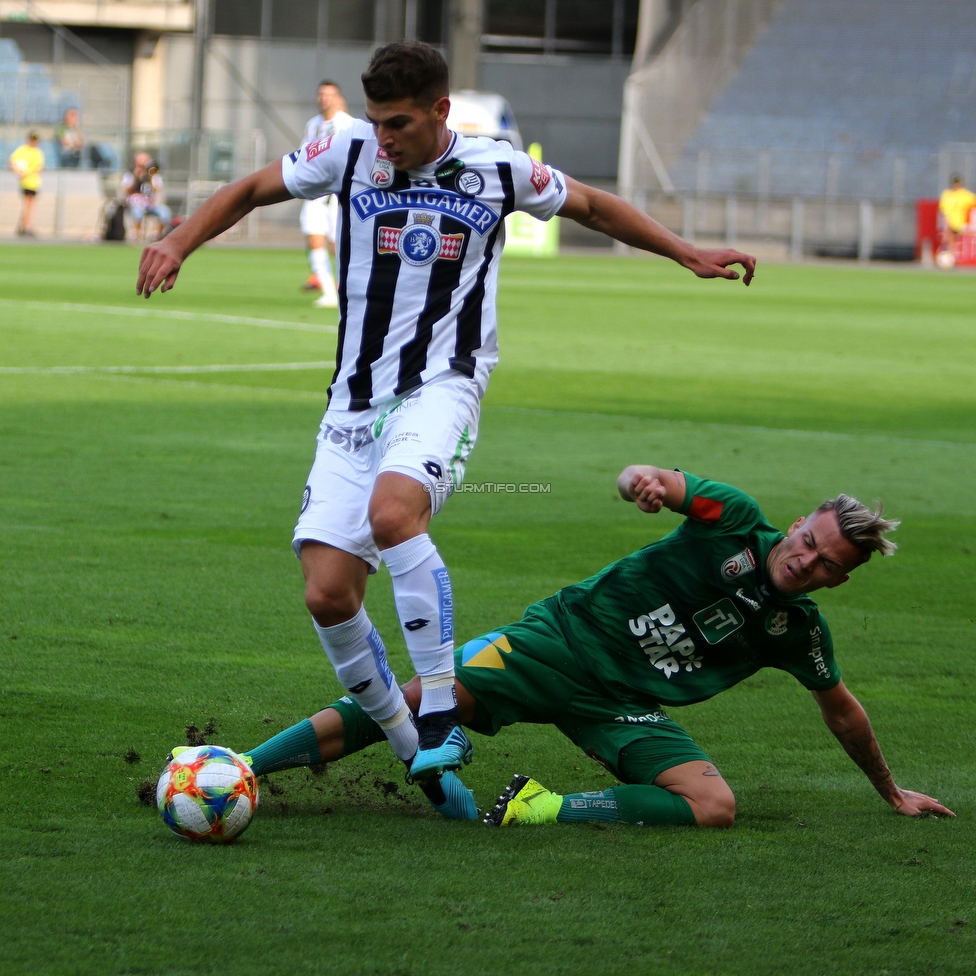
x=342, y=252
x=380, y=292
x=444, y=278
x=469, y=318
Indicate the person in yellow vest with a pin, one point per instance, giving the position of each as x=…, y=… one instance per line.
x=954, y=206
x=27, y=161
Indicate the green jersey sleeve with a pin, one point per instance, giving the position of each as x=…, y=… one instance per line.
x=810, y=656
x=713, y=505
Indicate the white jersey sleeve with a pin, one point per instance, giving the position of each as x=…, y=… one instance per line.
x=316, y=169
x=540, y=190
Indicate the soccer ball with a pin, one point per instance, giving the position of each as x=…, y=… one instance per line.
x=207, y=793
x=945, y=260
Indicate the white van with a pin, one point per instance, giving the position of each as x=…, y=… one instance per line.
x=476, y=113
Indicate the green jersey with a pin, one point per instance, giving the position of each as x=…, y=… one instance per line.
x=693, y=614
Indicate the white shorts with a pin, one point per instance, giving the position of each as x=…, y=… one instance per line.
x=320, y=217
x=427, y=435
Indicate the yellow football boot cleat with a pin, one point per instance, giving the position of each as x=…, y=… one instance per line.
x=524, y=802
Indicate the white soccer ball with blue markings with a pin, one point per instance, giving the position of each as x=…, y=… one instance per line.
x=207, y=793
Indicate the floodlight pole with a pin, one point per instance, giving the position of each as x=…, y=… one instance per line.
x=201, y=43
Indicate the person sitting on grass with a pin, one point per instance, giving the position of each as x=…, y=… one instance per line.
x=678, y=621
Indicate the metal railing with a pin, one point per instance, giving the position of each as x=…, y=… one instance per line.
x=794, y=225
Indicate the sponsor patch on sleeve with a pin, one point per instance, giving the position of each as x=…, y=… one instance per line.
x=705, y=509
x=314, y=149
x=540, y=176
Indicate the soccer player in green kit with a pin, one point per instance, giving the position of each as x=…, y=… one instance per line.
x=674, y=623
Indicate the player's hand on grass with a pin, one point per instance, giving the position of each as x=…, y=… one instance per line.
x=715, y=264
x=911, y=804
x=159, y=266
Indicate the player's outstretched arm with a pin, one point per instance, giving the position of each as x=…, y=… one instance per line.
x=161, y=262
x=846, y=718
x=610, y=215
x=652, y=488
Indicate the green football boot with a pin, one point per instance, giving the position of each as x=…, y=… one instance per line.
x=524, y=802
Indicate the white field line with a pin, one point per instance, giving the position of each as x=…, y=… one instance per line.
x=165, y=313
x=218, y=368
x=217, y=388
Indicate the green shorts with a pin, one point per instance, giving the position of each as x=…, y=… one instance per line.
x=525, y=672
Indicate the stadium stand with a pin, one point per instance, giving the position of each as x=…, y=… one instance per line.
x=28, y=97
x=812, y=125
x=866, y=81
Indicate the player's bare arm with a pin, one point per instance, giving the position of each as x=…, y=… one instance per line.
x=846, y=718
x=610, y=215
x=652, y=488
x=161, y=261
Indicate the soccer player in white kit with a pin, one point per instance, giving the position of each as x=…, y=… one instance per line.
x=420, y=238
x=319, y=216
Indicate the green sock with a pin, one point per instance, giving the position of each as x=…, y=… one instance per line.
x=297, y=746
x=358, y=729
x=598, y=807
x=648, y=805
x=626, y=804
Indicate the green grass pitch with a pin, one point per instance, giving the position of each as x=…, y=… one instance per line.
x=146, y=583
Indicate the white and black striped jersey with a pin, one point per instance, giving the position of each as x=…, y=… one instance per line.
x=417, y=255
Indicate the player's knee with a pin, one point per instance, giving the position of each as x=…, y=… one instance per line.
x=391, y=523
x=331, y=602
x=717, y=809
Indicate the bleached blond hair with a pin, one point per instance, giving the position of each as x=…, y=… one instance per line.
x=862, y=526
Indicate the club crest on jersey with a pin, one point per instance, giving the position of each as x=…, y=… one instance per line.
x=469, y=182
x=382, y=172
x=739, y=564
x=314, y=149
x=777, y=623
x=419, y=243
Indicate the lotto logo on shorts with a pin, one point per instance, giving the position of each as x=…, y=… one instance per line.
x=314, y=149
x=540, y=176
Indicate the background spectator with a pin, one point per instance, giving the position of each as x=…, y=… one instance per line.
x=71, y=142
x=27, y=161
x=954, y=206
x=141, y=190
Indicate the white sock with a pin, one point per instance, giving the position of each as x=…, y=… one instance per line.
x=319, y=260
x=425, y=606
x=359, y=658
x=401, y=732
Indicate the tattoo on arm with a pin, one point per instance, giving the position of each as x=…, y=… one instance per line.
x=860, y=744
x=710, y=770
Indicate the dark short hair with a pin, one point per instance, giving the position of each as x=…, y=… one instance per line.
x=330, y=83
x=406, y=69
x=33, y=135
x=955, y=178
